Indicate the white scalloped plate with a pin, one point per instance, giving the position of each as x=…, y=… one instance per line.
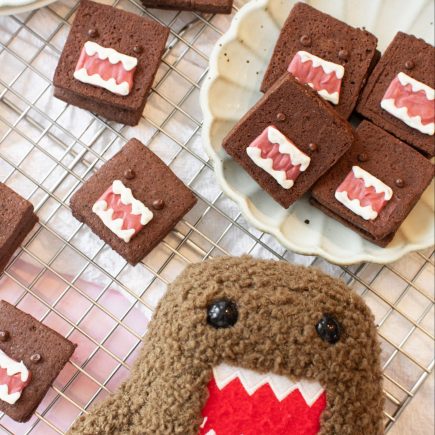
x=237, y=65
x=12, y=7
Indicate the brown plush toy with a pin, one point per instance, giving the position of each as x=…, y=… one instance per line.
x=245, y=346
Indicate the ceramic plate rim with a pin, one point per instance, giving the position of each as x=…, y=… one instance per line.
x=12, y=10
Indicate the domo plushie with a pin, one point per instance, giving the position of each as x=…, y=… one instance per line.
x=245, y=346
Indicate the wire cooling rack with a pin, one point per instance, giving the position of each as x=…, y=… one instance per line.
x=70, y=280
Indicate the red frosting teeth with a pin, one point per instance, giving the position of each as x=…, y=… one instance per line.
x=281, y=162
x=106, y=70
x=416, y=103
x=306, y=72
x=122, y=211
x=232, y=411
x=367, y=196
x=14, y=382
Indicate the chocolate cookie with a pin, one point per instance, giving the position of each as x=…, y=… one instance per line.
x=399, y=95
x=210, y=6
x=31, y=357
x=16, y=221
x=326, y=54
x=245, y=346
x=132, y=202
x=375, y=185
x=288, y=140
x=109, y=62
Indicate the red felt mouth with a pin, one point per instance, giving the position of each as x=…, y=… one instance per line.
x=232, y=411
x=14, y=382
x=367, y=196
x=281, y=162
x=416, y=103
x=122, y=211
x=306, y=72
x=105, y=69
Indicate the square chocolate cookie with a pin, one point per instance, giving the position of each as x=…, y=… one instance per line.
x=399, y=95
x=209, y=6
x=132, y=202
x=31, y=357
x=16, y=221
x=109, y=62
x=288, y=140
x=375, y=185
x=326, y=54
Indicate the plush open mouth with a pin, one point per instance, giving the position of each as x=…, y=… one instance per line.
x=323, y=76
x=412, y=102
x=123, y=214
x=105, y=68
x=278, y=156
x=363, y=193
x=14, y=377
x=243, y=402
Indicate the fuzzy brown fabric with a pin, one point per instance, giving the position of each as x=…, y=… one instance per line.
x=279, y=305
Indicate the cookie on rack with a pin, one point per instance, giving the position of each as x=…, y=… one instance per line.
x=376, y=184
x=208, y=6
x=326, y=54
x=16, y=221
x=132, y=202
x=288, y=140
x=109, y=62
x=239, y=345
x=31, y=357
x=399, y=95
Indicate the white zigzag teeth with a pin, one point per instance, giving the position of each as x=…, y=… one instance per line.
x=96, y=80
x=285, y=147
x=280, y=385
x=402, y=114
x=113, y=56
x=127, y=198
x=327, y=66
x=12, y=368
x=354, y=205
x=416, y=86
x=100, y=208
x=372, y=181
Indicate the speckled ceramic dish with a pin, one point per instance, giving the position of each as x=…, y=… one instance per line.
x=237, y=65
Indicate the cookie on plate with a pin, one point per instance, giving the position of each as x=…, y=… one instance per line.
x=132, y=202
x=240, y=345
x=31, y=357
x=326, y=54
x=16, y=221
x=209, y=6
x=288, y=140
x=375, y=185
x=399, y=95
x=109, y=62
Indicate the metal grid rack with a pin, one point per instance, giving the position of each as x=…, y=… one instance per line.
x=401, y=294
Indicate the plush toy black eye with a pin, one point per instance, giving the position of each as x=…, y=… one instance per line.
x=222, y=313
x=329, y=329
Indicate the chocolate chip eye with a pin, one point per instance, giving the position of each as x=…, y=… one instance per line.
x=329, y=329
x=222, y=313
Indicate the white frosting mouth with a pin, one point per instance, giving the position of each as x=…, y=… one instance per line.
x=105, y=213
x=412, y=120
x=12, y=368
x=297, y=157
x=115, y=74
